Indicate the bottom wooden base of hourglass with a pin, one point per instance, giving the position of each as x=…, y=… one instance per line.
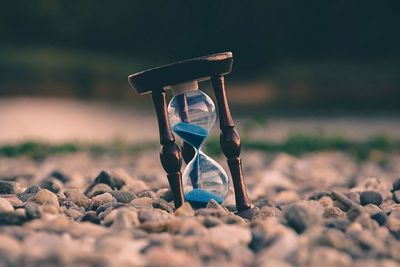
x=247, y=213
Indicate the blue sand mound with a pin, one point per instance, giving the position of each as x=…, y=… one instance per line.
x=199, y=198
x=191, y=133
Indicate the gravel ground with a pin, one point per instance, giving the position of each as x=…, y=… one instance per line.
x=321, y=209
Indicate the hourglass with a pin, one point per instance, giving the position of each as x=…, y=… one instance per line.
x=191, y=115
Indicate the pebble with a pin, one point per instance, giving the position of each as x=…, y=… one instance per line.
x=99, y=200
x=97, y=189
x=144, y=202
x=59, y=175
x=337, y=223
x=396, y=196
x=13, y=200
x=396, y=184
x=5, y=205
x=33, y=210
x=184, y=210
x=10, y=250
x=11, y=218
x=265, y=212
x=210, y=221
x=29, y=192
x=380, y=218
x=123, y=196
x=122, y=219
x=52, y=184
x=8, y=187
x=148, y=194
x=77, y=197
x=45, y=197
x=370, y=197
x=333, y=212
x=90, y=216
x=160, y=203
x=300, y=216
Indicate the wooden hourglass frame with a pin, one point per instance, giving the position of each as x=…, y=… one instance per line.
x=155, y=81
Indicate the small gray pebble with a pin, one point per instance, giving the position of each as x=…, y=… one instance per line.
x=33, y=210
x=8, y=187
x=123, y=196
x=29, y=192
x=370, y=197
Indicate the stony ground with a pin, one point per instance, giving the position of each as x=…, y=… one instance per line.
x=321, y=209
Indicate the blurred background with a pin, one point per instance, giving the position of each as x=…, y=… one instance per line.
x=325, y=67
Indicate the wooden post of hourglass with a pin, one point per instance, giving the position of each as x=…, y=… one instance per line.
x=230, y=144
x=170, y=155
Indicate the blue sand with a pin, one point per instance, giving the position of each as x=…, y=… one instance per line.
x=199, y=198
x=191, y=133
x=194, y=135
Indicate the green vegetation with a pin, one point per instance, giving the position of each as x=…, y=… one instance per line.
x=295, y=145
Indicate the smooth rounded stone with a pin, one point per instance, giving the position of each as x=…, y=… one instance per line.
x=184, y=210
x=396, y=196
x=326, y=201
x=265, y=212
x=366, y=222
x=333, y=212
x=210, y=221
x=146, y=215
x=11, y=218
x=300, y=216
x=52, y=184
x=9, y=187
x=5, y=205
x=77, y=197
x=380, y=217
x=124, y=219
x=97, y=189
x=329, y=257
x=374, y=184
x=160, y=256
x=370, y=197
x=13, y=200
x=370, y=209
x=136, y=186
x=396, y=185
x=393, y=224
x=264, y=202
x=285, y=198
x=144, y=202
x=231, y=235
x=29, y=192
x=90, y=216
x=148, y=193
x=123, y=196
x=65, y=203
x=10, y=250
x=160, y=203
x=74, y=214
x=59, y=175
x=33, y=210
x=45, y=197
x=99, y=200
x=105, y=178
x=337, y=223
x=107, y=207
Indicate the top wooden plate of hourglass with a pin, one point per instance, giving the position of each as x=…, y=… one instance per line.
x=200, y=68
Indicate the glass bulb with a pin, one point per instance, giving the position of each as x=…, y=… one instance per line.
x=192, y=115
